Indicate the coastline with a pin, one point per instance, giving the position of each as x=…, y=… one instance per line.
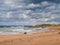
x=40, y=38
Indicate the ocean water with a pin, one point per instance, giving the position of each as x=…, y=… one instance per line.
x=20, y=30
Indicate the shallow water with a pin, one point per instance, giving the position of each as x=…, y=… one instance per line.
x=20, y=30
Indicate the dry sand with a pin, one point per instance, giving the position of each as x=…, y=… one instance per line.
x=46, y=38
x=31, y=39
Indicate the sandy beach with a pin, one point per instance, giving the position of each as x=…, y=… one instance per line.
x=45, y=38
x=31, y=39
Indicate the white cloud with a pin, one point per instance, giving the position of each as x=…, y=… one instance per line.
x=45, y=3
x=9, y=3
x=24, y=16
x=33, y=5
x=41, y=12
x=49, y=13
x=14, y=3
x=8, y=15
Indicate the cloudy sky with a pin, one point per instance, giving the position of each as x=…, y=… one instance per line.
x=29, y=12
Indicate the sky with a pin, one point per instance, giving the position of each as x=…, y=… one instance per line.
x=29, y=12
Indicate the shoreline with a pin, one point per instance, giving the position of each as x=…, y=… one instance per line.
x=39, y=38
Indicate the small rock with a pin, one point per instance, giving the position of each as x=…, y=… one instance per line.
x=58, y=32
x=25, y=32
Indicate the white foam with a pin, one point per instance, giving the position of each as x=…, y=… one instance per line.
x=21, y=30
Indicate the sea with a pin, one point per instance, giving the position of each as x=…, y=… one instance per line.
x=8, y=30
